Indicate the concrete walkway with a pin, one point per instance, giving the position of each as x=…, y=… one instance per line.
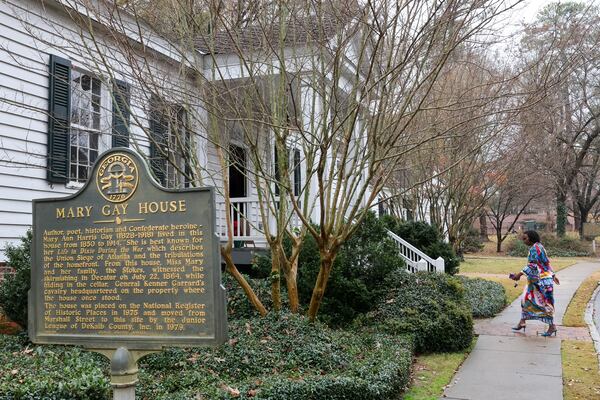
x=507, y=365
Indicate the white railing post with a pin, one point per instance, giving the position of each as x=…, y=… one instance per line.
x=440, y=265
x=421, y=265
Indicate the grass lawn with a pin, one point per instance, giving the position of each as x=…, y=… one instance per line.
x=506, y=265
x=432, y=373
x=581, y=379
x=576, y=310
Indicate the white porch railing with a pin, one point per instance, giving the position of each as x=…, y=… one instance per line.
x=245, y=217
x=247, y=223
x=415, y=259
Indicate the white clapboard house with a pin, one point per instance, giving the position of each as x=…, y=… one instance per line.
x=68, y=93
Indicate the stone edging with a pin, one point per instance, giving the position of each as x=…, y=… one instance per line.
x=589, y=319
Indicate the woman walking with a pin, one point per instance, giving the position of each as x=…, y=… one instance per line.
x=538, y=296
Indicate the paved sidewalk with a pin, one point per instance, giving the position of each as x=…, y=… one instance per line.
x=506, y=365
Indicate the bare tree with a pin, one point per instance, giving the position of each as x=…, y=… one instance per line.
x=560, y=51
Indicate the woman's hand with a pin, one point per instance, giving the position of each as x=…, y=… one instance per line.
x=517, y=276
x=555, y=279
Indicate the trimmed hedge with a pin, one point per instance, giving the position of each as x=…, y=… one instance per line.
x=555, y=247
x=486, y=298
x=429, y=306
x=281, y=358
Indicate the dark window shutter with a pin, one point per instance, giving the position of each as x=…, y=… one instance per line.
x=297, y=173
x=158, y=137
x=277, y=172
x=120, y=114
x=59, y=117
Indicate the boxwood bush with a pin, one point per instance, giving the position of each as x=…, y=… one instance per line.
x=486, y=298
x=429, y=306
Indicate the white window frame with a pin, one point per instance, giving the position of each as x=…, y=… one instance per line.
x=105, y=123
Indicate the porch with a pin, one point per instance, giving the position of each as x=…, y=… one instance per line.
x=247, y=223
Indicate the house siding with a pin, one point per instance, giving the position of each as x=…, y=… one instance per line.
x=29, y=32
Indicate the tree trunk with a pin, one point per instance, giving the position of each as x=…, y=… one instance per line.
x=276, y=280
x=583, y=218
x=576, y=216
x=561, y=214
x=291, y=275
x=499, y=240
x=292, y=289
x=320, y=286
x=483, y=228
x=232, y=269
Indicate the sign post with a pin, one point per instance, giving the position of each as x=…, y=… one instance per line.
x=125, y=267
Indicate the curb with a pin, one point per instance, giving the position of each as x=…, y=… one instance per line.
x=589, y=319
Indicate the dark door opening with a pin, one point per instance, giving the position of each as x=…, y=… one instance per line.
x=237, y=189
x=237, y=172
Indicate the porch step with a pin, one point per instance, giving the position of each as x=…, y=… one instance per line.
x=244, y=256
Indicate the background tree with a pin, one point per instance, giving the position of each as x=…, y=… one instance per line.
x=560, y=54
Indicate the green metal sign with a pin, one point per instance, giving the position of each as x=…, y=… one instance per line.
x=126, y=263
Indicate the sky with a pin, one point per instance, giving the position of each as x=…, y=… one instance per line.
x=511, y=23
x=529, y=9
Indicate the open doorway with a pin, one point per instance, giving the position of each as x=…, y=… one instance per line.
x=238, y=189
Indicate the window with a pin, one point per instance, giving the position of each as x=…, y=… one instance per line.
x=85, y=124
x=296, y=178
x=170, y=143
x=177, y=143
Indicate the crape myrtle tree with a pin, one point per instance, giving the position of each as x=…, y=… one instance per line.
x=560, y=56
x=323, y=90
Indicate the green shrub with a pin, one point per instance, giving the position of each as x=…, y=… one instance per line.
x=51, y=372
x=238, y=305
x=565, y=246
x=430, y=306
x=282, y=358
x=555, y=247
x=355, y=284
x=472, y=242
x=14, y=288
x=360, y=268
x=486, y=298
x=426, y=238
x=516, y=248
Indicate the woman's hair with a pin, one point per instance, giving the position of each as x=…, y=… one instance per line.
x=533, y=236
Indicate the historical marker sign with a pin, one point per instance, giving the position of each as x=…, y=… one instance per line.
x=124, y=262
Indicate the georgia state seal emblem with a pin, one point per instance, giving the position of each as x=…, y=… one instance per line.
x=117, y=177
